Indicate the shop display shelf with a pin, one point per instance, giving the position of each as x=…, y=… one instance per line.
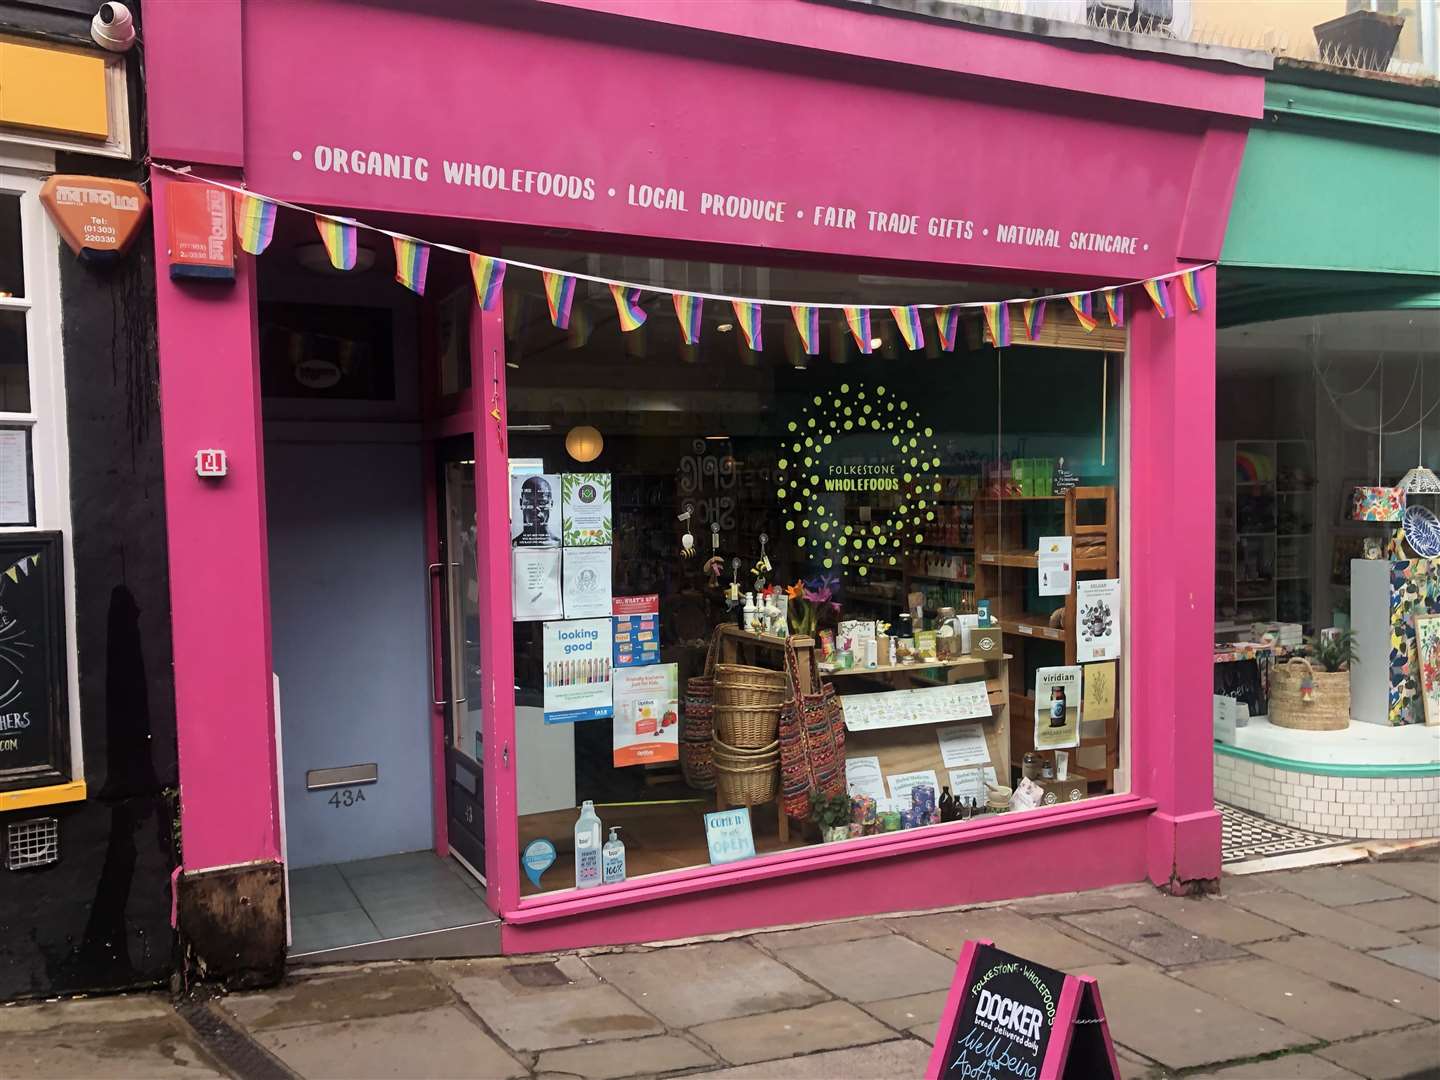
x=1033, y=626
x=920, y=665
x=947, y=580
x=1030, y=561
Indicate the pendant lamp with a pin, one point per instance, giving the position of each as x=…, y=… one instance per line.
x=1420, y=480
x=1379, y=503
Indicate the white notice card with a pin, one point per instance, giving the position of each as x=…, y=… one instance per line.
x=535, y=584
x=14, y=477
x=1097, y=606
x=962, y=744
x=901, y=783
x=1053, y=560
x=862, y=777
x=967, y=784
x=587, y=582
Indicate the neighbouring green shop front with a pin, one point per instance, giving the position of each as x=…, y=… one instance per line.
x=1328, y=382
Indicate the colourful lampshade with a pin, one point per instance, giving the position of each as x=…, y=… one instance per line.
x=1420, y=481
x=1377, y=503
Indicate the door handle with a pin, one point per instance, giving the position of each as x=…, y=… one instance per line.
x=430, y=627
x=460, y=661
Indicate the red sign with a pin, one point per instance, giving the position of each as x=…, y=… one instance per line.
x=96, y=216
x=636, y=605
x=201, y=240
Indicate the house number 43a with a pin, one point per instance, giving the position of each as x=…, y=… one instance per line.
x=347, y=797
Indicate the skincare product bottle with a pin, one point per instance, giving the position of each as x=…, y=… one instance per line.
x=587, y=847
x=614, y=858
x=749, y=612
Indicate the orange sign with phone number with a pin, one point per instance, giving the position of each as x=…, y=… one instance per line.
x=96, y=216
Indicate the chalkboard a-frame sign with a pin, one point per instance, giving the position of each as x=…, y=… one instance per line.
x=1008, y=1019
x=34, y=720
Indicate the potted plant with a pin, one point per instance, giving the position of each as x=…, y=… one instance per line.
x=832, y=814
x=1312, y=691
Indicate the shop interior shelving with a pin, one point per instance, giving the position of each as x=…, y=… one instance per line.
x=1265, y=517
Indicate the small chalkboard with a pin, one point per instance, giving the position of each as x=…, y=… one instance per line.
x=34, y=720
x=1008, y=1018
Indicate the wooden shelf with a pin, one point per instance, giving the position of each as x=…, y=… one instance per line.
x=1033, y=627
x=962, y=662
x=1031, y=561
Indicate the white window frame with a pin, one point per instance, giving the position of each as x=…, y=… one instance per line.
x=22, y=170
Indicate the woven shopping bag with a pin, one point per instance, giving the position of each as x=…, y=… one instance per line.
x=812, y=743
x=697, y=723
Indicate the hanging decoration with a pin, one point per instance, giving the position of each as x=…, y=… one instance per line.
x=338, y=236
x=412, y=262
x=947, y=323
x=1194, y=289
x=1159, y=292
x=1034, y=315
x=254, y=222
x=1080, y=302
x=489, y=276
x=1114, y=306
x=14, y=570
x=748, y=315
x=627, y=307
x=908, y=319
x=688, y=309
x=997, y=321
x=559, y=295
x=807, y=322
x=858, y=320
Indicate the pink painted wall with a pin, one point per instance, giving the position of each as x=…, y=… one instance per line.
x=194, y=94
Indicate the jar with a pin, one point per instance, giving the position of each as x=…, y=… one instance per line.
x=1031, y=765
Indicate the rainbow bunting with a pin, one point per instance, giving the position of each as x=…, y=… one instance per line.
x=489, y=275
x=688, y=307
x=1114, y=306
x=908, y=319
x=559, y=295
x=1033, y=312
x=338, y=236
x=1081, y=304
x=997, y=321
x=254, y=222
x=412, y=262
x=947, y=323
x=1158, y=290
x=858, y=320
x=627, y=307
x=751, y=323
x=1194, y=290
x=807, y=322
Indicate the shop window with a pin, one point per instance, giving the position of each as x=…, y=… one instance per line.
x=922, y=517
x=12, y=262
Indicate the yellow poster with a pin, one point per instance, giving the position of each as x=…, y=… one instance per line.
x=1099, y=691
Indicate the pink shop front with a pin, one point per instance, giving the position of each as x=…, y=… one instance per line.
x=747, y=350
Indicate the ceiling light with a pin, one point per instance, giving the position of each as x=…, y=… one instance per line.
x=875, y=343
x=725, y=327
x=584, y=443
x=716, y=438
x=512, y=365
x=1420, y=481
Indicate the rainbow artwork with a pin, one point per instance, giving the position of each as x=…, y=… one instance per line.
x=1114, y=306
x=1033, y=313
x=947, y=324
x=254, y=222
x=338, y=236
x=627, y=307
x=1081, y=303
x=1194, y=291
x=807, y=322
x=559, y=295
x=997, y=321
x=1159, y=292
x=688, y=308
x=751, y=323
x=858, y=320
x=908, y=319
x=412, y=262
x=489, y=276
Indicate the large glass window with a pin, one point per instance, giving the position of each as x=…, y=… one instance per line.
x=877, y=503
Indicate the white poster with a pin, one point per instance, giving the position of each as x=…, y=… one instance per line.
x=535, y=584
x=587, y=582
x=647, y=715
x=862, y=777
x=577, y=671
x=1053, y=560
x=903, y=708
x=902, y=783
x=961, y=745
x=967, y=784
x=1097, y=630
x=15, y=477
x=1057, y=707
x=535, y=510
x=586, y=505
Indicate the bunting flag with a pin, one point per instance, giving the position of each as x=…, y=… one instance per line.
x=338, y=237
x=807, y=321
x=908, y=319
x=559, y=295
x=412, y=261
x=1034, y=315
x=1081, y=304
x=1194, y=291
x=254, y=222
x=13, y=573
x=1158, y=290
x=627, y=307
x=947, y=324
x=749, y=317
x=997, y=319
x=858, y=320
x=489, y=275
x=688, y=308
x=1114, y=306
x=582, y=325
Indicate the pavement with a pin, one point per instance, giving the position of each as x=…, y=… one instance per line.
x=1327, y=972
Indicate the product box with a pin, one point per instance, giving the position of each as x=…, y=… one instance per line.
x=1063, y=791
x=986, y=643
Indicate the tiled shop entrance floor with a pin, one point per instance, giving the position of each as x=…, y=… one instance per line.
x=1244, y=835
x=347, y=904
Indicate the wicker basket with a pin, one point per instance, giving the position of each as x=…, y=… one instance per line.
x=739, y=684
x=747, y=727
x=747, y=782
x=739, y=755
x=1328, y=708
x=696, y=724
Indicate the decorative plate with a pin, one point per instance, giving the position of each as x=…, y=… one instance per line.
x=1422, y=531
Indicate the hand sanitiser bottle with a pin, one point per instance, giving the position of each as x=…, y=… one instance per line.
x=614, y=860
x=587, y=847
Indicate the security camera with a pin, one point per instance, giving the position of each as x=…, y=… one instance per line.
x=112, y=28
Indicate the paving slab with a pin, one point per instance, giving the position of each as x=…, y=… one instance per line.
x=832, y=1025
x=1418, y=958
x=1429, y=937
x=1035, y=939
x=909, y=1013
x=1300, y=1001
x=1289, y=1067
x=546, y=1017
x=153, y=1048
x=1419, y=877
x=1179, y=1026
x=1152, y=937
x=440, y=1044
x=822, y=934
x=1395, y=1054
x=1133, y=1067
x=1214, y=918
x=18, y=1019
x=1359, y=971
x=872, y=968
x=1308, y=917
x=381, y=991
x=694, y=984
x=631, y=1057
x=1337, y=886
x=1409, y=913
x=902, y=1057
x=1116, y=896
